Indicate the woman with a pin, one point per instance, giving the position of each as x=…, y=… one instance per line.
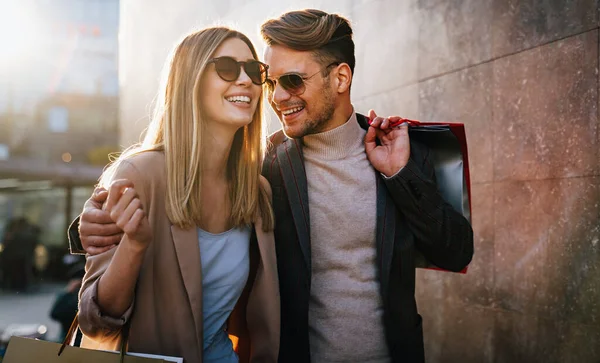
x=197, y=259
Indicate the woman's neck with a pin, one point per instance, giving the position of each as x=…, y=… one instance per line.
x=215, y=153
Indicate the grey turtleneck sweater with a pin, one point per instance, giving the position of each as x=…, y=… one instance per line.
x=345, y=310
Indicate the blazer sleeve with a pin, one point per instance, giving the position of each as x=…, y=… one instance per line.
x=443, y=235
x=75, y=246
x=93, y=322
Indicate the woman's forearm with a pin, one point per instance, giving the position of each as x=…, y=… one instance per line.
x=116, y=287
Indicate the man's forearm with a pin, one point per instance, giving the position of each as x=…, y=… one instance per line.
x=443, y=235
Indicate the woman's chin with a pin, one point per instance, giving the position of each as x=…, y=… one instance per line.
x=239, y=121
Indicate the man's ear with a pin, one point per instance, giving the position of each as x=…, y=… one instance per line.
x=343, y=78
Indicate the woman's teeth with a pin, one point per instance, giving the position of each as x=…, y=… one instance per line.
x=245, y=99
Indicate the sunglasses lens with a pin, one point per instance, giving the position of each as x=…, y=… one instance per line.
x=292, y=83
x=256, y=71
x=227, y=68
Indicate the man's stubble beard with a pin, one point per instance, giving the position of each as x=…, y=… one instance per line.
x=319, y=122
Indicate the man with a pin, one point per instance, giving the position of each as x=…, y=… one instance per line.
x=353, y=203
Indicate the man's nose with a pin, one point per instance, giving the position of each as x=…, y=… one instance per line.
x=279, y=94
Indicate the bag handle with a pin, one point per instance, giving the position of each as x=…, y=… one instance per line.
x=400, y=122
x=73, y=329
x=69, y=337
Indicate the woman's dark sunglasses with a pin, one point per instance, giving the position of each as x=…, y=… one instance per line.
x=229, y=69
x=293, y=83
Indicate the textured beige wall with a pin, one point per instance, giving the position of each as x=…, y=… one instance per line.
x=523, y=76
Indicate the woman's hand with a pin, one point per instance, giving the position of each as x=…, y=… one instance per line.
x=126, y=210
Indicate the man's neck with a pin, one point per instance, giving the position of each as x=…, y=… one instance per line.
x=341, y=114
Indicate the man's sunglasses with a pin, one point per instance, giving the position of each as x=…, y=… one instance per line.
x=293, y=83
x=229, y=69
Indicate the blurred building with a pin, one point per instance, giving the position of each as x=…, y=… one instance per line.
x=58, y=108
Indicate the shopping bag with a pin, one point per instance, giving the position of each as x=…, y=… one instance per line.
x=447, y=143
x=27, y=350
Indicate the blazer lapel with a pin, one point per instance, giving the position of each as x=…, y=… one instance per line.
x=266, y=248
x=386, y=230
x=188, y=255
x=386, y=224
x=294, y=179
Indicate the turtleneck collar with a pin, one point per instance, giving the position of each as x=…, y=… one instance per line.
x=337, y=143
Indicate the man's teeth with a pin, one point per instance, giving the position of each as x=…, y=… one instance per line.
x=292, y=110
x=238, y=99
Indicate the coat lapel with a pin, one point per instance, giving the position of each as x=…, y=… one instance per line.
x=188, y=255
x=264, y=300
x=386, y=230
x=386, y=224
x=266, y=248
x=289, y=155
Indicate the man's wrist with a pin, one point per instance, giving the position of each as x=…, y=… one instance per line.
x=393, y=175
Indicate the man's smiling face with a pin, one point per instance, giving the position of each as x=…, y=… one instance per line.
x=306, y=113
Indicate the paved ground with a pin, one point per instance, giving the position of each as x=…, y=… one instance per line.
x=30, y=308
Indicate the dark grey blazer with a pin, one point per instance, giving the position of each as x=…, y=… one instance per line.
x=411, y=215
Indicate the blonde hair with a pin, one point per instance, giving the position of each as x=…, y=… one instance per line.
x=177, y=129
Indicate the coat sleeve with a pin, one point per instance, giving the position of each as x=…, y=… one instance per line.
x=443, y=235
x=75, y=246
x=93, y=322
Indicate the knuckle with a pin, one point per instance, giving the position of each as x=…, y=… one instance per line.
x=131, y=194
x=129, y=229
x=84, y=216
x=83, y=225
x=88, y=242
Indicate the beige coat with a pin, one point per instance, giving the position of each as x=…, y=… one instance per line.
x=166, y=315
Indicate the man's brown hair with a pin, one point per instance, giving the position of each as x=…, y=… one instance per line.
x=329, y=36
